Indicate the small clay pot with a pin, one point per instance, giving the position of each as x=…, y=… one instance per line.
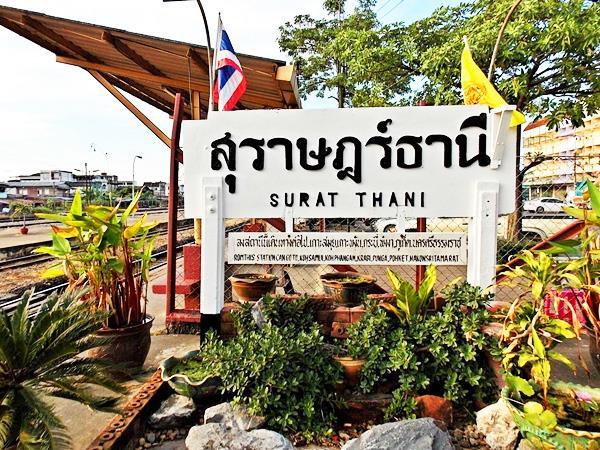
x=24, y=230
x=347, y=288
x=352, y=368
x=251, y=287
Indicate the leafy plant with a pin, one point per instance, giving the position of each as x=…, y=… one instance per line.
x=22, y=209
x=411, y=302
x=106, y=252
x=39, y=359
x=437, y=353
x=279, y=368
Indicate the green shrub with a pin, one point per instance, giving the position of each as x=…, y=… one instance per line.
x=282, y=370
x=440, y=353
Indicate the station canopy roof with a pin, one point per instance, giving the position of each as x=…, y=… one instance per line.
x=151, y=68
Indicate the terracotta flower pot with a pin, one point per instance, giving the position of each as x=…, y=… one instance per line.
x=129, y=346
x=24, y=230
x=352, y=368
x=347, y=288
x=251, y=287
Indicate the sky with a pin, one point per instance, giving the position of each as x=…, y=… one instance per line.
x=58, y=117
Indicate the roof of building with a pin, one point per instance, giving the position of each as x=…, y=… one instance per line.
x=46, y=183
x=150, y=68
x=536, y=124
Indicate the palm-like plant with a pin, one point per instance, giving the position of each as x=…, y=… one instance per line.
x=39, y=359
x=411, y=302
x=22, y=210
x=109, y=254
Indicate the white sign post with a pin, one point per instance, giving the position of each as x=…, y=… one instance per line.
x=438, y=161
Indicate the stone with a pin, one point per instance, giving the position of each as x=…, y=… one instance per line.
x=496, y=424
x=233, y=416
x=418, y=434
x=525, y=445
x=437, y=408
x=175, y=411
x=218, y=436
x=171, y=445
x=270, y=440
x=151, y=437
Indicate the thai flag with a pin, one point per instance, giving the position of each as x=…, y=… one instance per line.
x=231, y=82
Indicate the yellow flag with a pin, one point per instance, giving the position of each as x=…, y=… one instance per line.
x=477, y=89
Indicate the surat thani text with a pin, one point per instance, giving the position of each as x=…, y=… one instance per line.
x=409, y=151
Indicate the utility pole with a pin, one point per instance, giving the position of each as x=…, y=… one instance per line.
x=133, y=176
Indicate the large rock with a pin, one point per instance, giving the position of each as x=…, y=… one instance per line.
x=174, y=412
x=231, y=428
x=418, y=434
x=217, y=436
x=496, y=423
x=233, y=416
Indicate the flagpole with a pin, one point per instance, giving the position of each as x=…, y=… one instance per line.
x=208, y=55
x=213, y=67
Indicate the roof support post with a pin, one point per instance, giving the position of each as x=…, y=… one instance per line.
x=134, y=110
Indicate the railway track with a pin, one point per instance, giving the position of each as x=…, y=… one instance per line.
x=10, y=222
x=8, y=305
x=37, y=258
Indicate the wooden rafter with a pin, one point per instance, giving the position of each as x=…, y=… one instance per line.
x=134, y=110
x=74, y=48
x=23, y=32
x=59, y=39
x=143, y=94
x=269, y=101
x=131, y=54
x=198, y=61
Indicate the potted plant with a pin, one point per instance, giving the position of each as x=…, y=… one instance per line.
x=23, y=210
x=39, y=360
x=548, y=414
x=251, y=287
x=194, y=375
x=352, y=352
x=347, y=288
x=112, y=257
x=411, y=302
x=586, y=272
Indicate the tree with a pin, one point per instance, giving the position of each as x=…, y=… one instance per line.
x=349, y=57
x=547, y=62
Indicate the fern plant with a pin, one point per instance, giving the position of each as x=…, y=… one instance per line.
x=39, y=359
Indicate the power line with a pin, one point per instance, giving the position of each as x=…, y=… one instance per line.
x=393, y=8
x=382, y=6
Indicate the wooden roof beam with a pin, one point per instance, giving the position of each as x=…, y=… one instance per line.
x=58, y=39
x=269, y=101
x=198, y=61
x=135, y=111
x=139, y=92
x=24, y=32
x=131, y=54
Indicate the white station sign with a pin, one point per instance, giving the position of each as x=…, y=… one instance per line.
x=360, y=162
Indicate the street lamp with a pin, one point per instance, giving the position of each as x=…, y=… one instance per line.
x=86, y=181
x=208, y=52
x=133, y=176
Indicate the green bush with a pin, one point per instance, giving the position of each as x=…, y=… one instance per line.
x=440, y=353
x=282, y=370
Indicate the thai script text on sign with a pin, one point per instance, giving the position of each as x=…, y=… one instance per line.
x=348, y=248
x=359, y=162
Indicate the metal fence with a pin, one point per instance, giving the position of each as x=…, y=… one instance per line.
x=536, y=227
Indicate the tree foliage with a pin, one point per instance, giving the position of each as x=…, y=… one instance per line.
x=547, y=62
x=349, y=56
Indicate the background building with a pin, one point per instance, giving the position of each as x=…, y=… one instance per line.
x=573, y=154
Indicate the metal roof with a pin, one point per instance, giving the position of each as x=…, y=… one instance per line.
x=150, y=68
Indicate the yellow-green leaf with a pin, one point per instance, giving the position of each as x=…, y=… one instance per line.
x=53, y=272
x=76, y=206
